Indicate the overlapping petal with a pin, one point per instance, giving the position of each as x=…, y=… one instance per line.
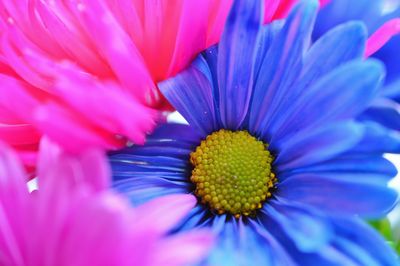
x=303, y=103
x=70, y=220
x=91, y=67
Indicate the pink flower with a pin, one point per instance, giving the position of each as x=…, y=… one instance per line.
x=72, y=220
x=83, y=72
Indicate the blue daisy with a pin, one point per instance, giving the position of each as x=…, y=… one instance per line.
x=374, y=13
x=272, y=151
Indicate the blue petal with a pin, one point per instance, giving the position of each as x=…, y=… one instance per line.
x=239, y=244
x=207, y=63
x=197, y=217
x=171, y=132
x=190, y=93
x=307, y=148
x=279, y=254
x=378, y=139
x=226, y=251
x=362, y=244
x=385, y=112
x=392, y=90
x=282, y=63
x=267, y=37
x=372, y=169
x=348, y=242
x=341, y=195
x=160, y=167
x=341, y=11
x=129, y=164
x=373, y=14
x=389, y=55
x=342, y=44
x=236, y=58
x=142, y=190
x=343, y=93
x=307, y=229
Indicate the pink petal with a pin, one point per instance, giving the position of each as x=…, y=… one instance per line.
x=105, y=223
x=381, y=36
x=13, y=204
x=167, y=211
x=15, y=47
x=73, y=42
x=160, y=22
x=12, y=89
x=217, y=20
x=19, y=134
x=191, y=36
x=284, y=7
x=119, y=50
x=89, y=97
x=127, y=14
x=184, y=249
x=270, y=8
x=323, y=3
x=89, y=168
x=74, y=133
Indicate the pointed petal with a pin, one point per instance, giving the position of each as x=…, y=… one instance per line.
x=340, y=45
x=280, y=66
x=342, y=195
x=382, y=36
x=350, y=88
x=191, y=94
x=307, y=148
x=308, y=229
x=236, y=57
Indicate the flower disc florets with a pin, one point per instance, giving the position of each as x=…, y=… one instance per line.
x=232, y=172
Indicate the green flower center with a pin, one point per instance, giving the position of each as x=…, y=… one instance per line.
x=232, y=172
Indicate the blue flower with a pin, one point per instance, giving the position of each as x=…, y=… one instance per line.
x=373, y=14
x=280, y=166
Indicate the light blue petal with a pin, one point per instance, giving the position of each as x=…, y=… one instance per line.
x=307, y=229
x=239, y=244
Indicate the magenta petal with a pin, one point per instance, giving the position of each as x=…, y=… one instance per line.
x=168, y=210
x=382, y=36
x=89, y=168
x=196, y=245
x=13, y=204
x=191, y=26
x=116, y=46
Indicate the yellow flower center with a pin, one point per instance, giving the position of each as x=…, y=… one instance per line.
x=232, y=172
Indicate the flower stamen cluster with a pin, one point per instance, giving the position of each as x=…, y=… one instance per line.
x=232, y=172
